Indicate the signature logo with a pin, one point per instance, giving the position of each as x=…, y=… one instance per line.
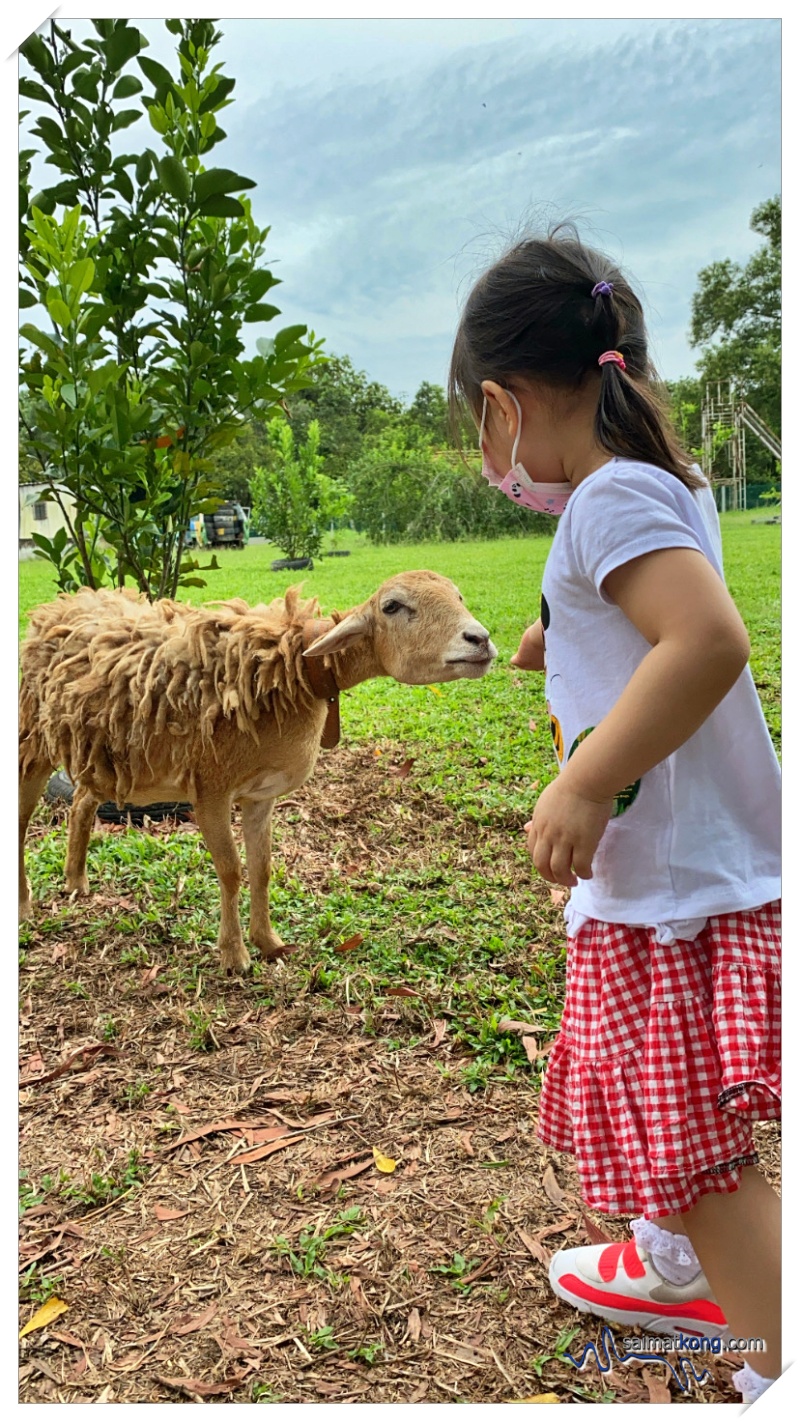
x=603, y=1352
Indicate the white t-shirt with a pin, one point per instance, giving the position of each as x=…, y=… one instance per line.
x=699, y=834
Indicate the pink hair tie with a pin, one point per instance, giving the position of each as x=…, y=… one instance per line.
x=612, y=358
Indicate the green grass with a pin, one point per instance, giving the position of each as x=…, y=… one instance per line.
x=501, y=582
x=463, y=924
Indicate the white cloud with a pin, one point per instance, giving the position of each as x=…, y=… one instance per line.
x=395, y=159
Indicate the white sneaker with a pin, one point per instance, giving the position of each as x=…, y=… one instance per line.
x=619, y=1282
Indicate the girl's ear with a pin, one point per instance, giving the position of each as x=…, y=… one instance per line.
x=501, y=406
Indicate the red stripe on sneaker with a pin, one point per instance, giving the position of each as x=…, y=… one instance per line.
x=634, y=1268
x=608, y=1261
x=699, y=1310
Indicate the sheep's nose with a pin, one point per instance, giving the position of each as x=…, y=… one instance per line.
x=479, y=637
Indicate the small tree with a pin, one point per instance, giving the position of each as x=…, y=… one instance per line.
x=293, y=500
x=146, y=277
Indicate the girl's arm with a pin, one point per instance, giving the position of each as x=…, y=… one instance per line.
x=699, y=649
x=529, y=656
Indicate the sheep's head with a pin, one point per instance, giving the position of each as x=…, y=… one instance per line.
x=419, y=631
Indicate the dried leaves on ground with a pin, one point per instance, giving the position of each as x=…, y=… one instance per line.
x=294, y=1196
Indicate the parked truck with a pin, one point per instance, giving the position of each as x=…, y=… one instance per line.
x=227, y=527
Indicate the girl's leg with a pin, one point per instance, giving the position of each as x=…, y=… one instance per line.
x=737, y=1239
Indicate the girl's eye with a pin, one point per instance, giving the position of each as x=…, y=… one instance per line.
x=391, y=607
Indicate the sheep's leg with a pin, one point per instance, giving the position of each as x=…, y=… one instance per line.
x=214, y=821
x=81, y=819
x=30, y=790
x=257, y=827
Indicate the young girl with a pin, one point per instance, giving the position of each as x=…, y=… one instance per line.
x=664, y=820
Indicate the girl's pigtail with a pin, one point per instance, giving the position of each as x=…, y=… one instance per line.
x=633, y=423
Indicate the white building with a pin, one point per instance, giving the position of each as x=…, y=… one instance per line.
x=38, y=515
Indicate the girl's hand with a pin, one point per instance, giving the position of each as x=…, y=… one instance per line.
x=564, y=832
x=530, y=653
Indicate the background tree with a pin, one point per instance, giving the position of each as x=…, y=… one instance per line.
x=294, y=501
x=686, y=402
x=234, y=466
x=428, y=413
x=405, y=490
x=736, y=324
x=349, y=407
x=137, y=372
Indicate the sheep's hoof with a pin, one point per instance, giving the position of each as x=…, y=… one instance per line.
x=78, y=888
x=234, y=959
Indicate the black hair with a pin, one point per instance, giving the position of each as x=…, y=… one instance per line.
x=533, y=315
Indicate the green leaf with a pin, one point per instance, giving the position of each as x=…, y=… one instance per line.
x=31, y=90
x=220, y=205
x=123, y=185
x=125, y=118
x=65, y=193
x=120, y=419
x=159, y=77
x=288, y=336
x=158, y=118
x=175, y=178
x=81, y=275
x=218, y=95
x=143, y=166
x=41, y=339
x=75, y=60
x=85, y=84
x=59, y=311
x=37, y=54
x=26, y=297
x=260, y=282
x=261, y=312
x=219, y=180
x=127, y=86
x=122, y=45
x=50, y=131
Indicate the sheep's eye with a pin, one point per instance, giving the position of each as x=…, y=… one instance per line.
x=392, y=607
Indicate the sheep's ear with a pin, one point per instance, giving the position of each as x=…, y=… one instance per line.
x=347, y=631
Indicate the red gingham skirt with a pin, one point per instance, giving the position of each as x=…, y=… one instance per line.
x=665, y=1057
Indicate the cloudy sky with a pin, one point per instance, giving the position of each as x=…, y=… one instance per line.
x=395, y=159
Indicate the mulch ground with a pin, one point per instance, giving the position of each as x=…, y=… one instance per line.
x=307, y=1219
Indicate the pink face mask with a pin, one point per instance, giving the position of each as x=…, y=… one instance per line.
x=517, y=484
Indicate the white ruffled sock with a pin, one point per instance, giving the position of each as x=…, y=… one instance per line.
x=672, y=1254
x=750, y=1383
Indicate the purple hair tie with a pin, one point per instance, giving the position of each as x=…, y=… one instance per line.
x=603, y=288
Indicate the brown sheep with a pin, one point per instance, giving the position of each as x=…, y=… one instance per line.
x=143, y=702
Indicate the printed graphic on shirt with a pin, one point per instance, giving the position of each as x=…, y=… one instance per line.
x=626, y=797
x=557, y=734
x=545, y=613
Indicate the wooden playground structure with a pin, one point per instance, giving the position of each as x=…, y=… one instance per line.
x=726, y=417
